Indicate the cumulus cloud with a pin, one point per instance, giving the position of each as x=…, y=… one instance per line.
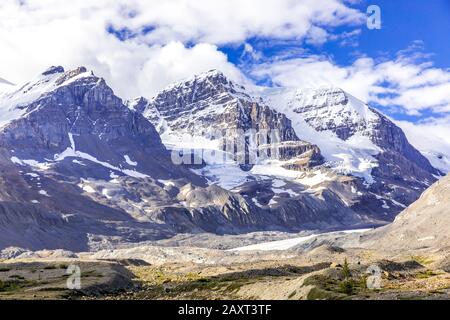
x=250, y=53
x=411, y=87
x=228, y=21
x=139, y=46
x=409, y=84
x=175, y=61
x=432, y=138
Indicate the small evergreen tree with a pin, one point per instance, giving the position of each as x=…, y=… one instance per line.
x=346, y=270
x=346, y=286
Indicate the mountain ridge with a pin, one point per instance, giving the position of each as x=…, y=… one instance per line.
x=99, y=171
x=423, y=225
x=353, y=138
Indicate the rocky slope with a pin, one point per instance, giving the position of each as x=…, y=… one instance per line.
x=81, y=171
x=328, y=140
x=211, y=106
x=423, y=225
x=358, y=140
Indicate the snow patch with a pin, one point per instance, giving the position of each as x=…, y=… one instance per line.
x=32, y=163
x=128, y=160
x=289, y=243
x=87, y=188
x=277, y=183
x=354, y=156
x=72, y=152
x=44, y=193
x=167, y=183
x=288, y=191
x=32, y=174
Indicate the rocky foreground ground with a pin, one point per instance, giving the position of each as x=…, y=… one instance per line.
x=323, y=272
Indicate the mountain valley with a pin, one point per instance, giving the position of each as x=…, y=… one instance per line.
x=209, y=189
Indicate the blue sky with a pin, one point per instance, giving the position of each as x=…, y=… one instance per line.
x=403, y=23
x=416, y=29
x=141, y=46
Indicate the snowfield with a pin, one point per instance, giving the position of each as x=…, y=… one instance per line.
x=281, y=245
x=353, y=156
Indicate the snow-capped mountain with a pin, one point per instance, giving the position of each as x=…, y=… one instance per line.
x=192, y=113
x=356, y=139
x=337, y=124
x=353, y=144
x=210, y=102
x=82, y=170
x=65, y=140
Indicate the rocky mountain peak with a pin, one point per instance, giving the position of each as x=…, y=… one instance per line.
x=210, y=84
x=333, y=109
x=53, y=70
x=196, y=101
x=358, y=140
x=138, y=104
x=210, y=102
x=16, y=102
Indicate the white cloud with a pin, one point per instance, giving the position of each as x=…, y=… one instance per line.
x=183, y=41
x=432, y=138
x=402, y=85
x=412, y=87
x=316, y=36
x=251, y=53
x=175, y=61
x=38, y=33
x=225, y=21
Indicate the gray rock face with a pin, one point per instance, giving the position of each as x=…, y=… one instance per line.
x=401, y=173
x=409, y=164
x=211, y=102
x=346, y=120
x=422, y=225
x=81, y=171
